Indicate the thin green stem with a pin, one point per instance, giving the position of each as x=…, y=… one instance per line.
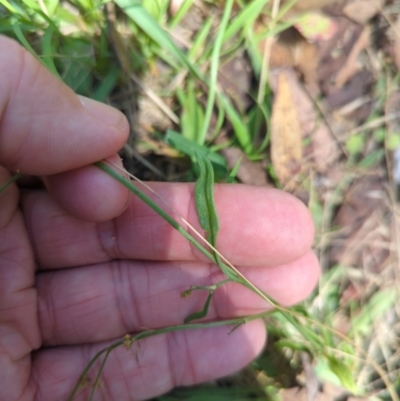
x=97, y=380
x=128, y=184
x=9, y=182
x=214, y=70
x=150, y=333
x=88, y=367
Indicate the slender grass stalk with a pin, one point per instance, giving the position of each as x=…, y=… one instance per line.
x=214, y=70
x=154, y=332
x=155, y=207
x=9, y=182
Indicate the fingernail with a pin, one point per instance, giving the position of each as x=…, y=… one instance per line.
x=104, y=113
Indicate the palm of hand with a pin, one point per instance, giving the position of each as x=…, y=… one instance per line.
x=88, y=264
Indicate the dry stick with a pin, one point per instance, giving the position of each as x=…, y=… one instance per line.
x=374, y=123
x=155, y=99
x=256, y=290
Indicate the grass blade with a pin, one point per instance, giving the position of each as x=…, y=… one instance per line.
x=9, y=182
x=245, y=18
x=183, y=9
x=214, y=70
x=144, y=20
x=189, y=148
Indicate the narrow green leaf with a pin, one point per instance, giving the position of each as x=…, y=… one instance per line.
x=208, y=218
x=9, y=182
x=161, y=212
x=107, y=85
x=189, y=148
x=48, y=52
x=24, y=42
x=183, y=9
x=192, y=116
x=52, y=6
x=146, y=22
x=202, y=313
x=245, y=18
x=234, y=171
x=204, y=194
x=214, y=70
x=200, y=39
x=343, y=373
x=6, y=4
x=239, y=126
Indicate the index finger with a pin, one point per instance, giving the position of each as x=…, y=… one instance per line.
x=259, y=226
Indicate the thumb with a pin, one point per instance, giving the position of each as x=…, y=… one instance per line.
x=45, y=128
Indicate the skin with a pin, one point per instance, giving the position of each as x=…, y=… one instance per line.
x=83, y=262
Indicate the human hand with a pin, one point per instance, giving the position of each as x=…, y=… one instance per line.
x=84, y=262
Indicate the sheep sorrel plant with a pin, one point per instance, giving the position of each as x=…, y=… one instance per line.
x=313, y=333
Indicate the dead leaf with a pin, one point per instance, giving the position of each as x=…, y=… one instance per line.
x=392, y=107
x=286, y=134
x=360, y=219
x=249, y=172
x=312, y=384
x=118, y=44
x=351, y=67
x=293, y=50
x=323, y=150
x=306, y=5
x=234, y=78
x=293, y=394
x=357, y=87
x=315, y=26
x=361, y=11
x=334, y=53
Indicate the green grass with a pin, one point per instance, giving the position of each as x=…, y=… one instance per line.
x=74, y=43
